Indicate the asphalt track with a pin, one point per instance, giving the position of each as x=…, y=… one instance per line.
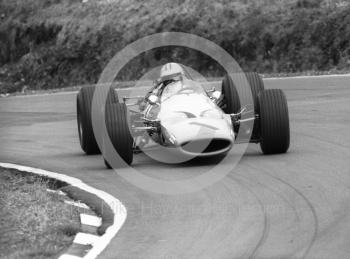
x=294, y=205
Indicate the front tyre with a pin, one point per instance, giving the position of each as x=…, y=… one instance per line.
x=85, y=131
x=274, y=121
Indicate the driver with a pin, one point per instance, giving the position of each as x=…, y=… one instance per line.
x=171, y=75
x=168, y=83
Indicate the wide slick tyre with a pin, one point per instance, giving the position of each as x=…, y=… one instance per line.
x=274, y=122
x=117, y=124
x=85, y=131
x=231, y=99
x=231, y=103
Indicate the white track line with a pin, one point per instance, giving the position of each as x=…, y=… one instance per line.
x=208, y=82
x=117, y=207
x=59, y=192
x=90, y=220
x=67, y=256
x=306, y=77
x=85, y=239
x=77, y=204
x=42, y=94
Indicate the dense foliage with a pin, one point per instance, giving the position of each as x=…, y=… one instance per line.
x=55, y=43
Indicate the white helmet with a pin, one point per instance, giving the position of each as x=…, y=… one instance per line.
x=170, y=69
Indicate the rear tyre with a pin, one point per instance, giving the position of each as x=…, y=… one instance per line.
x=274, y=121
x=231, y=103
x=85, y=131
x=117, y=124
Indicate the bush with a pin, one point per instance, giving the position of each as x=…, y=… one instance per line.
x=57, y=43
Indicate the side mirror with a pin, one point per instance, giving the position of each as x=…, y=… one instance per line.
x=153, y=99
x=216, y=95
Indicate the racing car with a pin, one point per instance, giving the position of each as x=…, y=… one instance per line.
x=181, y=115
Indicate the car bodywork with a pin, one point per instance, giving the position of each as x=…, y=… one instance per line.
x=186, y=118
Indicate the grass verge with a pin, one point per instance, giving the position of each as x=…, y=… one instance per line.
x=33, y=222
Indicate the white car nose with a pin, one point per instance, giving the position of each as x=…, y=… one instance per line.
x=192, y=129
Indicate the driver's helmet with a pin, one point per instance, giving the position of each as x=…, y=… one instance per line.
x=171, y=72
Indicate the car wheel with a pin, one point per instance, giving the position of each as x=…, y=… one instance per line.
x=117, y=124
x=231, y=103
x=274, y=121
x=85, y=131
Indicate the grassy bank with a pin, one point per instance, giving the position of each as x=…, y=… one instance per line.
x=46, y=44
x=33, y=223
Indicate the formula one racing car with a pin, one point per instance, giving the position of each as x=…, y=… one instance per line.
x=181, y=115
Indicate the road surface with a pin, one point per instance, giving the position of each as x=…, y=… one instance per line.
x=295, y=205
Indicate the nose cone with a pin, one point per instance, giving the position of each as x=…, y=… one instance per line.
x=201, y=136
x=198, y=128
x=194, y=124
